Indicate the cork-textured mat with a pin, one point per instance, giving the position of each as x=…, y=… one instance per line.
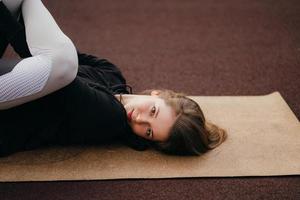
x=263, y=140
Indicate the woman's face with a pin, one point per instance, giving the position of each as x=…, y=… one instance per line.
x=151, y=118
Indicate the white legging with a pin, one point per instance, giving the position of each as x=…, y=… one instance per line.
x=53, y=64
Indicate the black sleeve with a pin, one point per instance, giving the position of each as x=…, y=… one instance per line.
x=93, y=61
x=106, y=67
x=93, y=115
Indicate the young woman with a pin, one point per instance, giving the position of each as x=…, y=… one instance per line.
x=57, y=96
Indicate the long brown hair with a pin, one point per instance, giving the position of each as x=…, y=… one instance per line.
x=191, y=134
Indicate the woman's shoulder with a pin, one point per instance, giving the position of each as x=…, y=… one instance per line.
x=89, y=63
x=99, y=71
x=93, y=111
x=82, y=94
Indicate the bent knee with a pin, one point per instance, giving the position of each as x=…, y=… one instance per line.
x=65, y=60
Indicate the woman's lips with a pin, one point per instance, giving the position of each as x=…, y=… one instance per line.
x=129, y=115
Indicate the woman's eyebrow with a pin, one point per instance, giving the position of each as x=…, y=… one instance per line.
x=152, y=134
x=157, y=111
x=155, y=117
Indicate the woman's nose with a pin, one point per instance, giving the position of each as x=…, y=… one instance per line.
x=140, y=118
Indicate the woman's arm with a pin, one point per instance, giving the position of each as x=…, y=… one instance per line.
x=54, y=63
x=93, y=61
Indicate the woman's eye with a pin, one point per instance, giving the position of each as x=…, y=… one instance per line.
x=149, y=132
x=153, y=110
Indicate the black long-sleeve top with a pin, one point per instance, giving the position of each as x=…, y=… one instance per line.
x=84, y=112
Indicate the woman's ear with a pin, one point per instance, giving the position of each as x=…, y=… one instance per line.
x=155, y=92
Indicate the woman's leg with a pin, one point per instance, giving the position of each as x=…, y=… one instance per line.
x=4, y=29
x=3, y=44
x=12, y=32
x=7, y=65
x=13, y=6
x=19, y=43
x=54, y=63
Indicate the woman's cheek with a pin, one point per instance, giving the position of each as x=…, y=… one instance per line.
x=137, y=129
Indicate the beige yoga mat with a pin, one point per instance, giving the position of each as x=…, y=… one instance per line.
x=263, y=140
